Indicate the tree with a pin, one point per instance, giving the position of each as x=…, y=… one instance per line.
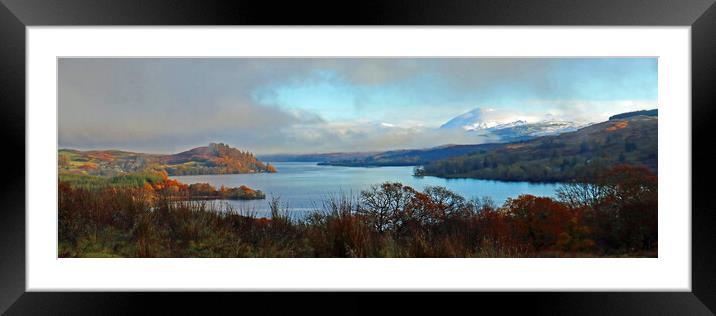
x=383, y=205
x=418, y=171
x=64, y=161
x=629, y=146
x=538, y=222
x=445, y=203
x=620, y=205
x=583, y=147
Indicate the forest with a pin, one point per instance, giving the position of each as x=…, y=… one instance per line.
x=612, y=215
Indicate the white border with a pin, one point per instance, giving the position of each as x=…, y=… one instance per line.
x=671, y=271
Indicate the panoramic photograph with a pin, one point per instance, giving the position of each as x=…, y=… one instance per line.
x=358, y=157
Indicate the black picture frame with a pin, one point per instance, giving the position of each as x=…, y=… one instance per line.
x=15, y=15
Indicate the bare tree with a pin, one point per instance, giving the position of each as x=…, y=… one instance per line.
x=384, y=205
x=446, y=203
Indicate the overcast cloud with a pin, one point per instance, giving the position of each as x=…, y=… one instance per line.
x=269, y=105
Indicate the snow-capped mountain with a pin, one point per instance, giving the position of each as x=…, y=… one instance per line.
x=531, y=130
x=480, y=118
x=509, y=126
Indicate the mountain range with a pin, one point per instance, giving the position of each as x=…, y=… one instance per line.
x=544, y=151
x=503, y=126
x=508, y=127
x=530, y=150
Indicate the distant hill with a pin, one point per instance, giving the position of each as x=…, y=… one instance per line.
x=409, y=157
x=315, y=157
x=403, y=157
x=653, y=112
x=504, y=127
x=630, y=140
x=216, y=158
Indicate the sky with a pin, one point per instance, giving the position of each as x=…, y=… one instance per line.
x=311, y=105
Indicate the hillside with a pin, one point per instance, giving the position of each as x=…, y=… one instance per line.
x=654, y=112
x=212, y=159
x=631, y=140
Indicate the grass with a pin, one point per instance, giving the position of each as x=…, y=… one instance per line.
x=131, y=180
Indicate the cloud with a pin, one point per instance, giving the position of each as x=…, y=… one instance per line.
x=588, y=111
x=337, y=104
x=489, y=117
x=372, y=136
x=163, y=106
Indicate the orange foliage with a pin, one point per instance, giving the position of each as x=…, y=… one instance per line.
x=617, y=125
x=171, y=184
x=515, y=146
x=163, y=174
x=89, y=166
x=104, y=156
x=540, y=222
x=246, y=189
x=621, y=217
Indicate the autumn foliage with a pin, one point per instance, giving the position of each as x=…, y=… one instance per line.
x=613, y=214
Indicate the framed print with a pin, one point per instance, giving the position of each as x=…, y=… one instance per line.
x=474, y=147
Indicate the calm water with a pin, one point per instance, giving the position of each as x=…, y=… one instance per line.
x=302, y=185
